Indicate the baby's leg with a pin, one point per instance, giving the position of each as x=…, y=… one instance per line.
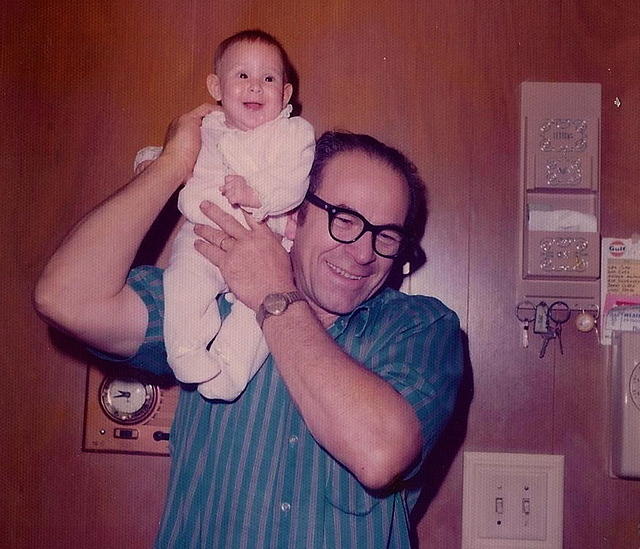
x=191, y=318
x=241, y=349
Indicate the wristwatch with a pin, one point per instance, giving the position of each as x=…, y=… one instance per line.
x=276, y=304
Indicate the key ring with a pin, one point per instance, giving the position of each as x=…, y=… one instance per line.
x=559, y=312
x=525, y=319
x=521, y=309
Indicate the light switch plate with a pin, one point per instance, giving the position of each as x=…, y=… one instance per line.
x=512, y=501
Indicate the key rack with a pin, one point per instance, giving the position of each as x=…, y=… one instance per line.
x=559, y=210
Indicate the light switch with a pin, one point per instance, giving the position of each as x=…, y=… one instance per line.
x=512, y=500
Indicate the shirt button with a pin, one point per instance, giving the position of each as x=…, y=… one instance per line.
x=285, y=507
x=293, y=439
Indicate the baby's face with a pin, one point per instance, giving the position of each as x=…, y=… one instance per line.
x=250, y=85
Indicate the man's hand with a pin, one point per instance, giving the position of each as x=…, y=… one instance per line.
x=251, y=260
x=182, y=142
x=238, y=192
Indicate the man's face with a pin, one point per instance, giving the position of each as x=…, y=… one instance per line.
x=249, y=83
x=337, y=277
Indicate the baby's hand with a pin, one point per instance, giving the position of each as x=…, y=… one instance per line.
x=237, y=191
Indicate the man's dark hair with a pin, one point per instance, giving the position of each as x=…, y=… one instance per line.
x=255, y=35
x=334, y=143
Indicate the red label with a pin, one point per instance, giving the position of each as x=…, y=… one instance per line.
x=616, y=248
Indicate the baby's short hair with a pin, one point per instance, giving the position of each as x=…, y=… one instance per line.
x=254, y=35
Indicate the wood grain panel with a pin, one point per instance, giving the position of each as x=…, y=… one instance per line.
x=87, y=84
x=600, y=42
x=76, y=75
x=514, y=389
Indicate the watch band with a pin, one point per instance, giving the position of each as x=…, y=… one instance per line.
x=276, y=304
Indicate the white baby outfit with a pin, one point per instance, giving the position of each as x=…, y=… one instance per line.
x=274, y=159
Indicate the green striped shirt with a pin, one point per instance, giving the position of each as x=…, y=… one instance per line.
x=249, y=474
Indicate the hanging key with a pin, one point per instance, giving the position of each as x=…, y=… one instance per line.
x=546, y=338
x=559, y=313
x=525, y=334
x=558, y=330
x=526, y=314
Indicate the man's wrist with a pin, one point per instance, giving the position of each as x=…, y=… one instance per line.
x=179, y=167
x=276, y=304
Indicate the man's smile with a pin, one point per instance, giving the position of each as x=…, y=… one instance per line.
x=343, y=273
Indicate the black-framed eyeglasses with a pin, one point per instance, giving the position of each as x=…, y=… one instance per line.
x=347, y=226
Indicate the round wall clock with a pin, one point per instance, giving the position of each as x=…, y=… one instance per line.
x=127, y=400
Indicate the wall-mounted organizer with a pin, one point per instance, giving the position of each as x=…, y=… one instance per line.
x=559, y=210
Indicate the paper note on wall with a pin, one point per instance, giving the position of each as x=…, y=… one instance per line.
x=620, y=281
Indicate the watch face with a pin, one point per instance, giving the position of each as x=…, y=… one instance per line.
x=275, y=304
x=127, y=400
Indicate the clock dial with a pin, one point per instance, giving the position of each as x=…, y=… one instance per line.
x=127, y=400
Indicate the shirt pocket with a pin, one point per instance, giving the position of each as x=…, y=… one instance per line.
x=345, y=493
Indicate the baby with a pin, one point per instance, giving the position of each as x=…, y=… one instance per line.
x=255, y=156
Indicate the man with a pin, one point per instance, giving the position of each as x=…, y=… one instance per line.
x=360, y=380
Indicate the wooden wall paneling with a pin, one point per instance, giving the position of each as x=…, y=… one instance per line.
x=615, y=62
x=441, y=66
x=75, y=73
x=9, y=458
x=90, y=84
x=599, y=43
x=514, y=389
x=438, y=124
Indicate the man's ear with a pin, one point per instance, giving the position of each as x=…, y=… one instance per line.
x=213, y=85
x=291, y=226
x=287, y=92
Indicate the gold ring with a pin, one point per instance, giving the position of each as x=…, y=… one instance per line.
x=222, y=242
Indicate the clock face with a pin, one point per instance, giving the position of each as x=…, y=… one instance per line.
x=127, y=400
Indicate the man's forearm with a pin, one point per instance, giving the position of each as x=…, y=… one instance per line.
x=82, y=289
x=353, y=413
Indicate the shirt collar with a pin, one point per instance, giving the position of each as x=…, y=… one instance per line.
x=358, y=319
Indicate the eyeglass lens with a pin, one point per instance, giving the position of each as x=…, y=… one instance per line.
x=346, y=227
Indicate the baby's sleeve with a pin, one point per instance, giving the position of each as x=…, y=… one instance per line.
x=281, y=183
